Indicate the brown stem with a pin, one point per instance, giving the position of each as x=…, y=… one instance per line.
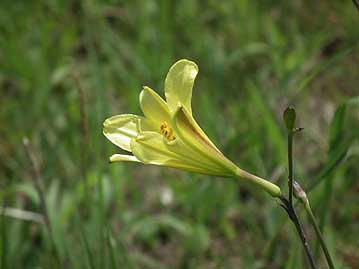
x=288, y=207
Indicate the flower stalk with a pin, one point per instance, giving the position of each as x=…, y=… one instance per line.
x=289, y=117
x=319, y=235
x=300, y=194
x=260, y=183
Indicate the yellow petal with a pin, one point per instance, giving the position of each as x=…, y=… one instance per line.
x=154, y=107
x=120, y=129
x=150, y=148
x=192, y=135
x=179, y=84
x=123, y=158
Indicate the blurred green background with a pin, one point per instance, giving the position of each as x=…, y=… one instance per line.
x=65, y=66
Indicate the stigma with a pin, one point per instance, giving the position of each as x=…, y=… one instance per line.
x=167, y=131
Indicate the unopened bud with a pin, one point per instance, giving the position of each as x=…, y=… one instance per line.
x=289, y=116
x=299, y=193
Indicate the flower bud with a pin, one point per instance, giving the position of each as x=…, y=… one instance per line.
x=289, y=116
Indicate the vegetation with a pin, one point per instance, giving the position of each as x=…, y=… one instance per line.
x=66, y=66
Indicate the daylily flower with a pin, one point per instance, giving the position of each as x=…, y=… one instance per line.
x=168, y=134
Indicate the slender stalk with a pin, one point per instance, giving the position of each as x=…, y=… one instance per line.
x=289, y=117
x=290, y=167
x=294, y=218
x=318, y=233
x=300, y=194
x=306, y=246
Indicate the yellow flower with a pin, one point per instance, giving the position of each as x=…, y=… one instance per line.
x=168, y=135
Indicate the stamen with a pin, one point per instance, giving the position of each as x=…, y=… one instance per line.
x=167, y=131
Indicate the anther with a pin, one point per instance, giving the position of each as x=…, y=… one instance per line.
x=167, y=131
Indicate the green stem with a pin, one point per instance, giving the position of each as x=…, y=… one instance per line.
x=289, y=119
x=290, y=167
x=319, y=234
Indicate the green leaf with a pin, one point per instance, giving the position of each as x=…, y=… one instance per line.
x=343, y=133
